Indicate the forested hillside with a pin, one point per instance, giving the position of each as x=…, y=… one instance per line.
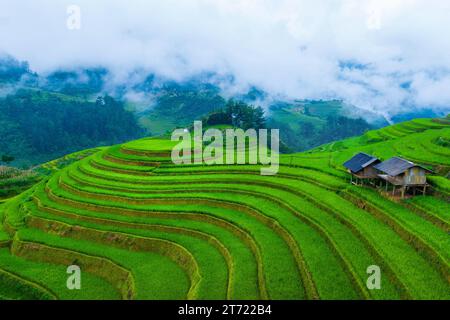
x=37, y=126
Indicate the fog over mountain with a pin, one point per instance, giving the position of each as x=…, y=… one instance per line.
x=386, y=56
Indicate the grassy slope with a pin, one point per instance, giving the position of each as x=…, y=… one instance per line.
x=3, y=235
x=304, y=233
x=53, y=277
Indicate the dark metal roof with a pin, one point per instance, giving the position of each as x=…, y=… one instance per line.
x=395, y=165
x=360, y=161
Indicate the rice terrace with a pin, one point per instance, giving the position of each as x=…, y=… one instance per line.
x=206, y=159
x=140, y=227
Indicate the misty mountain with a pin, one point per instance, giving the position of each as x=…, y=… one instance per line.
x=67, y=100
x=12, y=70
x=82, y=82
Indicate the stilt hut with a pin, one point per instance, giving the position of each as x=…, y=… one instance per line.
x=404, y=174
x=361, y=168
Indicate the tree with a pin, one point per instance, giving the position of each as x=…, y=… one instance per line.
x=220, y=117
x=239, y=114
x=307, y=129
x=7, y=159
x=100, y=101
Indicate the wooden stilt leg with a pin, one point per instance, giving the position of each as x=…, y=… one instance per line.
x=403, y=192
x=424, y=189
x=393, y=190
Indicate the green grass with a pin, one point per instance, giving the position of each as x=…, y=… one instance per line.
x=225, y=231
x=290, y=222
x=54, y=277
x=151, y=144
x=244, y=264
x=213, y=269
x=433, y=205
x=396, y=251
x=358, y=255
x=414, y=224
x=3, y=235
x=277, y=248
x=155, y=276
x=440, y=183
x=13, y=287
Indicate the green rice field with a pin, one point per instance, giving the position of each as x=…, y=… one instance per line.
x=141, y=227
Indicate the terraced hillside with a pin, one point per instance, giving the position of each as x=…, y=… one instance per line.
x=142, y=228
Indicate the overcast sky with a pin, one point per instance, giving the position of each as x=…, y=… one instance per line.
x=383, y=55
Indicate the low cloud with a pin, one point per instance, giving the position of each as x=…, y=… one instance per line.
x=386, y=56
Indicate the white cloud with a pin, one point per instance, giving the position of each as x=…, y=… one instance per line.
x=361, y=51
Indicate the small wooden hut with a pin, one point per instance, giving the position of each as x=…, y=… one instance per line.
x=404, y=174
x=361, y=167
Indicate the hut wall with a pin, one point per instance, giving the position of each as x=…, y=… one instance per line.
x=415, y=175
x=370, y=172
